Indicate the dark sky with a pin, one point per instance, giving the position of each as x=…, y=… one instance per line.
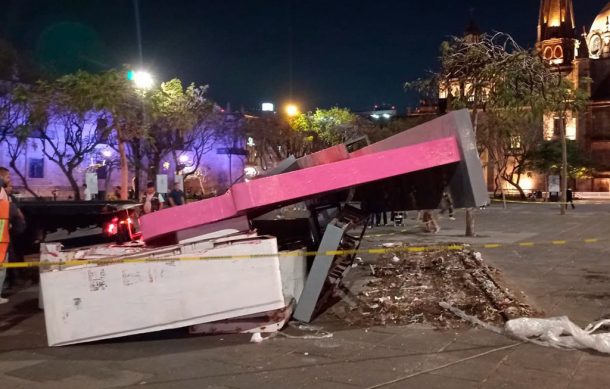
x=350, y=53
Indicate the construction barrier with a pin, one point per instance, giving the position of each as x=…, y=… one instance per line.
x=375, y=251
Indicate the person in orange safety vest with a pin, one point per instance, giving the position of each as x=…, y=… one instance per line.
x=4, y=225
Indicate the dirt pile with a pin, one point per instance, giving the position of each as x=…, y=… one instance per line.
x=405, y=287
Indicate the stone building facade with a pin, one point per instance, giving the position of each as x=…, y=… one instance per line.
x=221, y=166
x=584, y=58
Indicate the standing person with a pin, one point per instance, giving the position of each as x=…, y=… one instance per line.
x=413, y=203
x=570, y=198
x=176, y=196
x=86, y=193
x=16, y=227
x=152, y=200
x=5, y=180
x=375, y=204
x=447, y=204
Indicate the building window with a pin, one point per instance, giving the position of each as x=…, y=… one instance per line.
x=36, y=168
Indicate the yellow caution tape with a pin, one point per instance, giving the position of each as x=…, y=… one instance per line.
x=376, y=251
x=590, y=202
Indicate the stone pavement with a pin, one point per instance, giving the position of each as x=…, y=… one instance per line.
x=571, y=279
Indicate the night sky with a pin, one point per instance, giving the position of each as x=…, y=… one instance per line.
x=336, y=52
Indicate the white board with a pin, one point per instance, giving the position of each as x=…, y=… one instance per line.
x=162, y=183
x=88, y=303
x=554, y=184
x=91, y=181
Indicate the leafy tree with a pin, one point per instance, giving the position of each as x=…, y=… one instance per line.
x=547, y=159
x=70, y=124
x=125, y=124
x=275, y=139
x=15, y=127
x=377, y=132
x=332, y=126
x=509, y=140
x=513, y=87
x=179, y=120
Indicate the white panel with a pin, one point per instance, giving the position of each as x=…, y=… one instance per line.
x=88, y=303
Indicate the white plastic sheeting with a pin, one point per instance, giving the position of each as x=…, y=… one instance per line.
x=557, y=332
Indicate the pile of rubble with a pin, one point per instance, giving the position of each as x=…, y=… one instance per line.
x=406, y=287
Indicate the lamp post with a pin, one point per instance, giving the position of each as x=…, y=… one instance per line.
x=291, y=110
x=564, y=146
x=142, y=82
x=142, y=79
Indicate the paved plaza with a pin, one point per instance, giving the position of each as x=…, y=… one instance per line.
x=563, y=273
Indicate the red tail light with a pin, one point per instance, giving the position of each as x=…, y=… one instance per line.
x=112, y=228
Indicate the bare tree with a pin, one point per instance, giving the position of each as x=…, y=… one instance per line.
x=15, y=127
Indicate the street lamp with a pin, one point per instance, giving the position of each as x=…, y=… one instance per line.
x=141, y=79
x=291, y=110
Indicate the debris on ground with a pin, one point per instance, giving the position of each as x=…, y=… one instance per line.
x=406, y=287
x=557, y=332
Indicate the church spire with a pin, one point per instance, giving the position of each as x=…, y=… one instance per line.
x=556, y=20
x=472, y=33
x=557, y=38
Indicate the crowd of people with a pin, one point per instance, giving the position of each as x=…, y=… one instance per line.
x=428, y=218
x=152, y=201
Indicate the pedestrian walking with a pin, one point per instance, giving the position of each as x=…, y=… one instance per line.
x=570, y=198
x=447, y=205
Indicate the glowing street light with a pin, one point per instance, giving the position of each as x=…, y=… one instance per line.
x=142, y=79
x=291, y=110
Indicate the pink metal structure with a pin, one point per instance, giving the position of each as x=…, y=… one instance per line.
x=330, y=170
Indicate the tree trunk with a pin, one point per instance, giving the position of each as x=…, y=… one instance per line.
x=469, y=222
x=138, y=167
x=153, y=168
x=124, y=166
x=515, y=185
x=564, y=167
x=469, y=211
x=73, y=183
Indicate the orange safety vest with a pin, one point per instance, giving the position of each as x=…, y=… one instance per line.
x=4, y=225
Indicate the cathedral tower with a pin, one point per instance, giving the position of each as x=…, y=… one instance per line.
x=557, y=39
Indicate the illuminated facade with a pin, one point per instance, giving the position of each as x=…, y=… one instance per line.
x=581, y=57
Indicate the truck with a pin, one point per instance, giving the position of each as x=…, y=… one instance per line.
x=75, y=223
